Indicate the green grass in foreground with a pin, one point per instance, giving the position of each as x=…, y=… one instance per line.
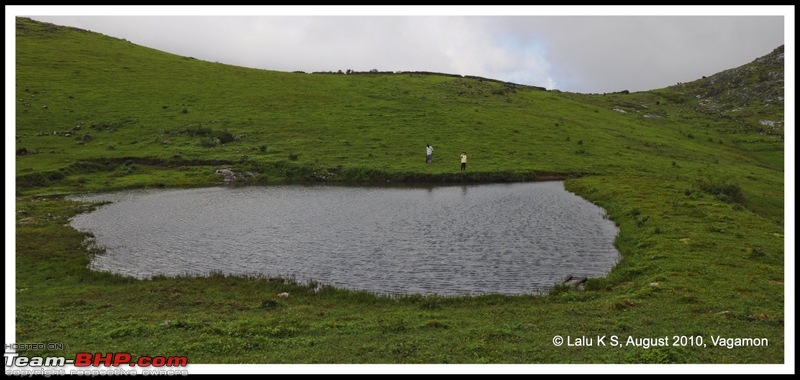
x=698, y=198
x=669, y=284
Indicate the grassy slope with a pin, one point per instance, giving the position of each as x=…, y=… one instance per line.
x=693, y=263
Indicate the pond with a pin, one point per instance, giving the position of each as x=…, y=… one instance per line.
x=519, y=238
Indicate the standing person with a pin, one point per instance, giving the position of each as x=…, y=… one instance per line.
x=429, y=154
x=463, y=161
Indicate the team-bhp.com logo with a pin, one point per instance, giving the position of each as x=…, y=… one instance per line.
x=86, y=363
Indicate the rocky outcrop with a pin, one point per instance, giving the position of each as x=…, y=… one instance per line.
x=229, y=176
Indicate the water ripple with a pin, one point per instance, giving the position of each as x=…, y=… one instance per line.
x=448, y=240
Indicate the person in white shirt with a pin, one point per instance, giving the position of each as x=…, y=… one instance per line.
x=429, y=154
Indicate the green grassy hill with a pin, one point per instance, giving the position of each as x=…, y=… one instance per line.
x=692, y=174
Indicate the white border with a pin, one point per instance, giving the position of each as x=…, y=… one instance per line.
x=789, y=280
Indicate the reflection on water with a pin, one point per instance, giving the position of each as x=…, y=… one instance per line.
x=449, y=240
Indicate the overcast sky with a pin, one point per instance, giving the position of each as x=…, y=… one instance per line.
x=576, y=49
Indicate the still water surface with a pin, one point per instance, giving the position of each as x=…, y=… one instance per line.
x=517, y=238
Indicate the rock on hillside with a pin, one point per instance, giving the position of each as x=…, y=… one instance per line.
x=745, y=92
